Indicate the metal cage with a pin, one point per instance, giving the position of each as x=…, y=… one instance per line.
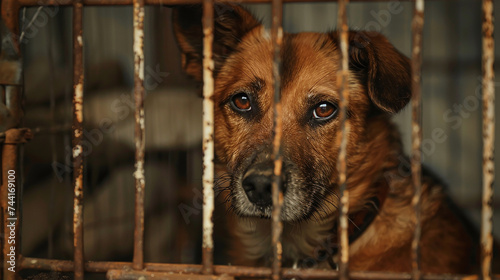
x=14, y=135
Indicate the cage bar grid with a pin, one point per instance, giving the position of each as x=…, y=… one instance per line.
x=236, y=271
x=137, y=268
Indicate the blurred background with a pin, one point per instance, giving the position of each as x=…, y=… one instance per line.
x=451, y=106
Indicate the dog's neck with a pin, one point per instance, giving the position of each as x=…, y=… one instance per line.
x=358, y=221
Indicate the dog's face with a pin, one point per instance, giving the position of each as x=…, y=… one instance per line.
x=379, y=84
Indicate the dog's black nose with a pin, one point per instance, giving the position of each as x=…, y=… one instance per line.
x=259, y=189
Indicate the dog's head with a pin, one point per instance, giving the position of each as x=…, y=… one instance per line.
x=379, y=85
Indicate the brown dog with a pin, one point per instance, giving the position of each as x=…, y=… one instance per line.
x=379, y=181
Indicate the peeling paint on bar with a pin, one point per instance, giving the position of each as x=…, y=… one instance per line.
x=277, y=193
x=208, y=136
x=488, y=139
x=343, y=84
x=79, y=99
x=139, y=39
x=344, y=256
x=78, y=207
x=139, y=138
x=416, y=167
x=77, y=133
x=139, y=173
x=77, y=150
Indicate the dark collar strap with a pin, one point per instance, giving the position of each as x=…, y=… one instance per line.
x=359, y=221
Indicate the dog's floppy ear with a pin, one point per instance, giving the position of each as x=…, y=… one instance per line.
x=386, y=70
x=231, y=23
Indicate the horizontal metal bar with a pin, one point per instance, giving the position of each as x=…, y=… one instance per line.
x=236, y=271
x=132, y=275
x=152, y=2
x=10, y=72
x=16, y=136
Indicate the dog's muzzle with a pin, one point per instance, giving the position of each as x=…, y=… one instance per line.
x=257, y=184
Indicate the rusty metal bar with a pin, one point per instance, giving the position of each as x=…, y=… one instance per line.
x=10, y=72
x=140, y=140
x=236, y=271
x=10, y=15
x=488, y=139
x=153, y=2
x=343, y=84
x=416, y=167
x=208, y=136
x=277, y=194
x=133, y=275
x=78, y=79
x=10, y=9
x=11, y=95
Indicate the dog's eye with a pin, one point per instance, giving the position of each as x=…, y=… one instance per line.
x=241, y=102
x=324, y=111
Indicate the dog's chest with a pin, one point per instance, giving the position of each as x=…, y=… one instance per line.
x=305, y=245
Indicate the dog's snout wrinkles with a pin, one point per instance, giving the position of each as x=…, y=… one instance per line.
x=258, y=188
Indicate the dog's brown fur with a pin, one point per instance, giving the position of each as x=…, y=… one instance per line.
x=379, y=86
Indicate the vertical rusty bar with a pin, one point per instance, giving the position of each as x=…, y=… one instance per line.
x=78, y=137
x=140, y=184
x=208, y=136
x=417, y=30
x=343, y=82
x=488, y=139
x=11, y=95
x=277, y=194
x=10, y=14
